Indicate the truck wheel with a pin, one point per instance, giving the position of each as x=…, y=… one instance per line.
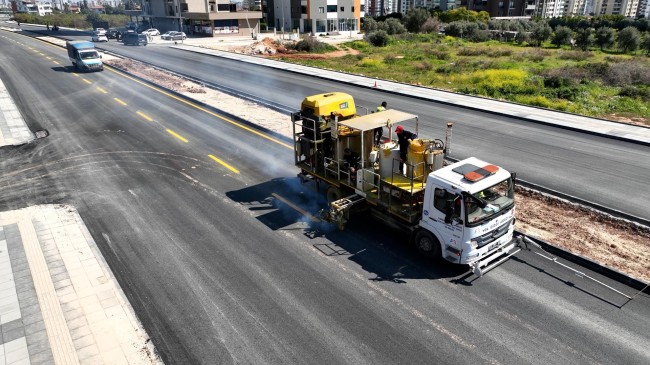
x=333, y=194
x=427, y=244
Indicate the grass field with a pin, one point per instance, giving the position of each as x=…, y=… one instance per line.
x=601, y=84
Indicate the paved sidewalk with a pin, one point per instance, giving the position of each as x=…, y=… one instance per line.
x=59, y=301
x=13, y=129
x=564, y=120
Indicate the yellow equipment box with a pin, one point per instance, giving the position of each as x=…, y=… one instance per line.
x=324, y=105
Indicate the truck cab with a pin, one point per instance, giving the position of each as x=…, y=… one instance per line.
x=84, y=56
x=469, y=210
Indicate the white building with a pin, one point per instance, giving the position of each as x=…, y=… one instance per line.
x=550, y=8
x=34, y=7
x=628, y=8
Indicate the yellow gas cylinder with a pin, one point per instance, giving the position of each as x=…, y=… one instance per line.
x=415, y=158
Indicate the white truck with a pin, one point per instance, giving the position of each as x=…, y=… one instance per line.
x=84, y=56
x=463, y=213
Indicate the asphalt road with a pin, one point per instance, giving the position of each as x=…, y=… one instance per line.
x=219, y=272
x=605, y=171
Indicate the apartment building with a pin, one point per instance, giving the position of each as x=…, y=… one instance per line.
x=628, y=8
x=315, y=16
x=211, y=18
x=41, y=8
x=501, y=8
x=576, y=8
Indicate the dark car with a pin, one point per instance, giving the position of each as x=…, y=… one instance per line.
x=112, y=34
x=134, y=39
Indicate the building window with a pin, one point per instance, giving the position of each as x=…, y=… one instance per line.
x=321, y=10
x=352, y=10
x=303, y=10
x=500, y=4
x=331, y=8
x=342, y=8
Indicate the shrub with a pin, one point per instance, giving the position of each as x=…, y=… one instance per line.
x=423, y=66
x=627, y=73
x=536, y=55
x=642, y=93
x=438, y=55
x=431, y=25
x=313, y=45
x=537, y=100
x=370, y=63
x=498, y=82
x=473, y=51
x=379, y=38
x=358, y=45
x=565, y=76
x=390, y=59
x=575, y=55
x=480, y=36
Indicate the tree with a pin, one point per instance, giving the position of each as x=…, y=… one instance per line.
x=522, y=37
x=93, y=18
x=646, y=44
x=561, y=36
x=432, y=25
x=585, y=38
x=369, y=25
x=394, y=26
x=629, y=39
x=540, y=32
x=415, y=18
x=605, y=37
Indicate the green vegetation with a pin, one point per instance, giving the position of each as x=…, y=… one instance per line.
x=554, y=75
x=71, y=20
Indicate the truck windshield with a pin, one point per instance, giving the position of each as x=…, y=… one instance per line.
x=88, y=55
x=494, y=199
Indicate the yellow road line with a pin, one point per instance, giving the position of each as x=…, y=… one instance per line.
x=143, y=115
x=297, y=208
x=120, y=101
x=48, y=57
x=218, y=160
x=87, y=81
x=198, y=107
x=56, y=62
x=76, y=74
x=102, y=90
x=177, y=135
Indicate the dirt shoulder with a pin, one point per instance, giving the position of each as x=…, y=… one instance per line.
x=620, y=245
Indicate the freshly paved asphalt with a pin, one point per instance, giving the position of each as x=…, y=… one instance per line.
x=217, y=273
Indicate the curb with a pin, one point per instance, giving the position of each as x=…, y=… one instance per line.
x=591, y=264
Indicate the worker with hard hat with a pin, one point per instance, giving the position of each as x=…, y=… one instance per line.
x=404, y=139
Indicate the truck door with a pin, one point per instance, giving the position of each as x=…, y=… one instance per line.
x=450, y=232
